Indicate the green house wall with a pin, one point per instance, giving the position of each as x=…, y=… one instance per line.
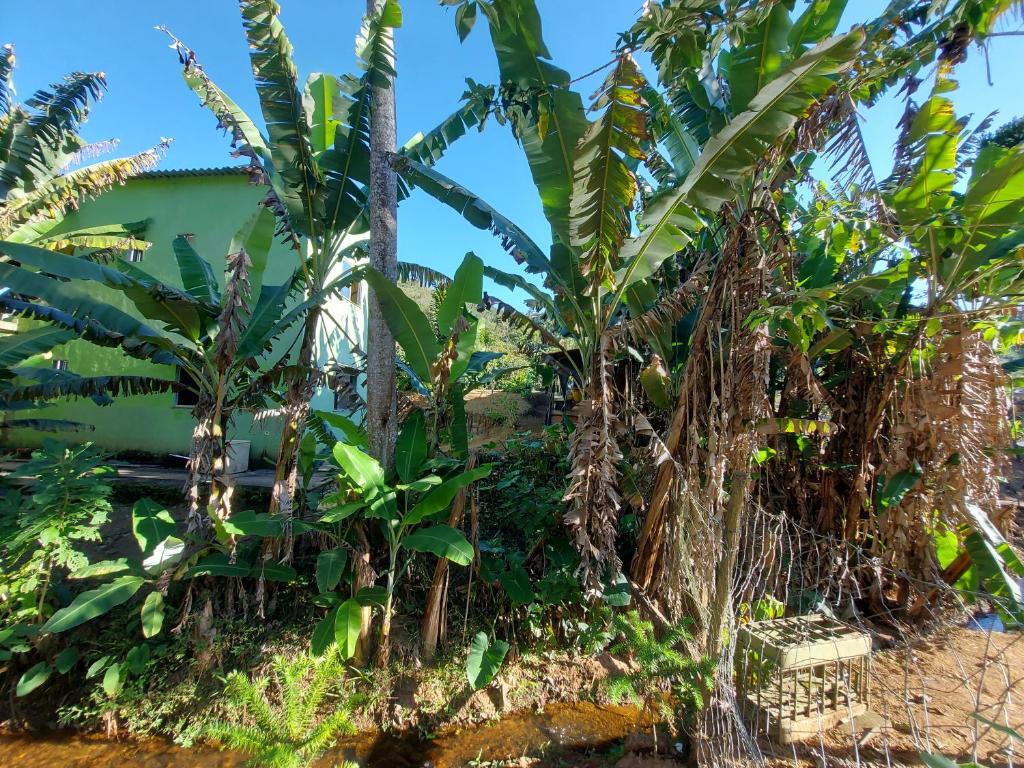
x=211, y=206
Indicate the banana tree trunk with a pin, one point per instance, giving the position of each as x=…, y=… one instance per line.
x=221, y=487
x=365, y=576
x=297, y=397
x=721, y=602
x=381, y=415
x=433, y=624
x=199, y=465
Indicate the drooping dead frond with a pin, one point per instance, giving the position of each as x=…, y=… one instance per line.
x=62, y=194
x=851, y=164
x=984, y=431
x=426, y=277
x=234, y=308
x=669, y=309
x=593, y=494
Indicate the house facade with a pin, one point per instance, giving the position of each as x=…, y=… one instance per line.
x=210, y=205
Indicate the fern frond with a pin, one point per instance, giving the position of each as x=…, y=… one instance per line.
x=244, y=739
x=621, y=689
x=327, y=732
x=250, y=696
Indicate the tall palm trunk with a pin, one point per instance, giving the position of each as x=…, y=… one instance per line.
x=381, y=416
x=381, y=401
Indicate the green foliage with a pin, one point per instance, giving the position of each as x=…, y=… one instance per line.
x=484, y=660
x=407, y=514
x=1009, y=134
x=43, y=527
x=38, y=141
x=276, y=720
x=660, y=668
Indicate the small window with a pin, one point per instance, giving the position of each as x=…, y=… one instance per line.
x=188, y=395
x=346, y=398
x=134, y=255
x=60, y=365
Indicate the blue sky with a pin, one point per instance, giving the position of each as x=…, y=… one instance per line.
x=147, y=99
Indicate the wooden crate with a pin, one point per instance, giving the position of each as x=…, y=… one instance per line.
x=801, y=675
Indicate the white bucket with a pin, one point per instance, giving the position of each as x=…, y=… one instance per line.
x=237, y=459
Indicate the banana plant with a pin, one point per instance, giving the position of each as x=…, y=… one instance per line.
x=405, y=507
x=27, y=384
x=40, y=146
x=599, y=269
x=442, y=362
x=314, y=155
x=222, y=338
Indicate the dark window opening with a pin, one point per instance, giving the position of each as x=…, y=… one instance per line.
x=188, y=395
x=346, y=397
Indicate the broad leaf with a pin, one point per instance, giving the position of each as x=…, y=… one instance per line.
x=763, y=52
x=18, y=347
x=442, y=541
x=95, y=602
x=66, y=659
x=730, y=155
x=250, y=523
x=440, y=497
x=218, y=565
x=348, y=623
x=411, y=446
x=276, y=76
x=256, y=238
x=197, y=276
x=517, y=585
x=363, y=471
x=551, y=133
x=34, y=677
x=466, y=288
x=273, y=571
x=408, y=324
x=477, y=212
x=323, y=634
x=102, y=568
x=112, y=680
x=484, y=660
x=151, y=524
x=604, y=187
x=152, y=614
x=330, y=565
x=372, y=595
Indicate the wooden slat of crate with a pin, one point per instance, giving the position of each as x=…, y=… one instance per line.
x=795, y=724
x=803, y=641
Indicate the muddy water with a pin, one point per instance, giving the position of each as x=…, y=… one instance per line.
x=559, y=727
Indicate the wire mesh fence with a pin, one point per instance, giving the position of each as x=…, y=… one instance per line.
x=942, y=683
